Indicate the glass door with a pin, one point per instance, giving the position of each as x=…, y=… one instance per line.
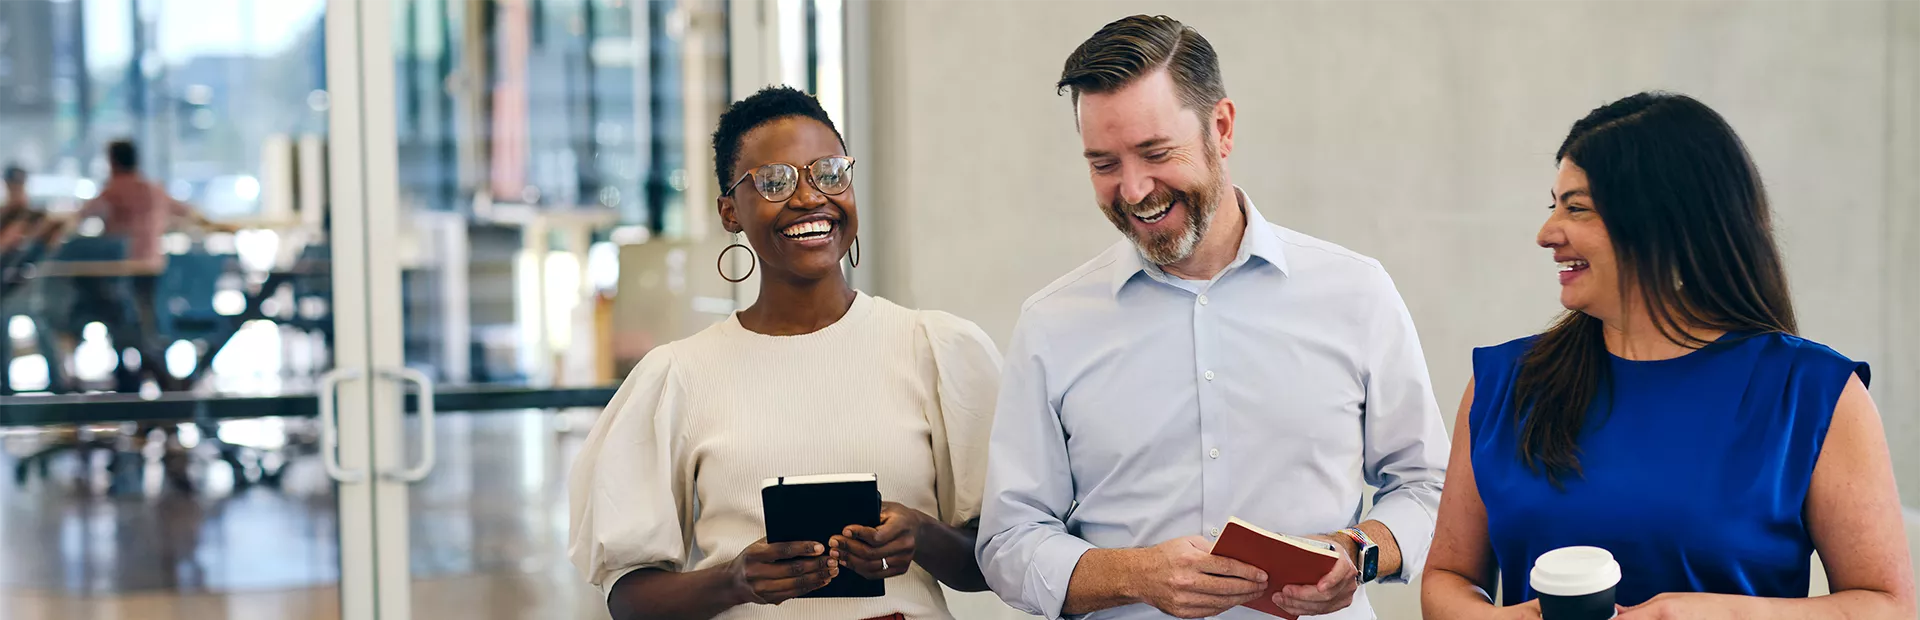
x=160, y=421
x=518, y=156
x=538, y=213
x=551, y=220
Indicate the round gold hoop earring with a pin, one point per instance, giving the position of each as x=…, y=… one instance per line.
x=720, y=264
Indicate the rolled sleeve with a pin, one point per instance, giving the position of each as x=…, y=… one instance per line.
x=1406, y=440
x=1411, y=521
x=1054, y=559
x=1024, y=548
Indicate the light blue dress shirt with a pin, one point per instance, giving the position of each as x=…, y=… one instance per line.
x=1136, y=408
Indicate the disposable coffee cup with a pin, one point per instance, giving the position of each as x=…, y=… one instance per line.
x=1575, y=583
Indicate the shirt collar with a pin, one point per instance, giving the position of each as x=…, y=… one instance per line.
x=1260, y=240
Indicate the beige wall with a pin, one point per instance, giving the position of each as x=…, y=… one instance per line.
x=1898, y=389
x=1420, y=133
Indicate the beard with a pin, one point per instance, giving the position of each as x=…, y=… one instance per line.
x=1169, y=247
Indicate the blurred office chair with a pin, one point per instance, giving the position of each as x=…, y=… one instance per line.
x=23, y=296
x=183, y=308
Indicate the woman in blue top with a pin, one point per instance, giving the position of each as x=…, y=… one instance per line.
x=1670, y=416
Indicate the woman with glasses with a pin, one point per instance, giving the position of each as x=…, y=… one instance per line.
x=814, y=378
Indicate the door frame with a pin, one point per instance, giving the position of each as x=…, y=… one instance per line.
x=366, y=409
x=375, y=577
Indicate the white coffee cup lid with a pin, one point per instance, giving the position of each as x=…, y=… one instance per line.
x=1574, y=571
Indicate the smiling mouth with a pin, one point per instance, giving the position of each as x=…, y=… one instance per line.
x=1156, y=215
x=816, y=229
x=1572, y=265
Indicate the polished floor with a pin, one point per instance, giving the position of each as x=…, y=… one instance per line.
x=488, y=534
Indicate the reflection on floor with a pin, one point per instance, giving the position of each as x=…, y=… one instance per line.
x=500, y=597
x=488, y=537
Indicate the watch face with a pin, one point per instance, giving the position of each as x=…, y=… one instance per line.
x=1369, y=563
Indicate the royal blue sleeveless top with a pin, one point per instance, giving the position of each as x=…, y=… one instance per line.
x=1695, y=476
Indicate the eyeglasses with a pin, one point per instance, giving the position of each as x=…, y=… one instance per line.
x=832, y=175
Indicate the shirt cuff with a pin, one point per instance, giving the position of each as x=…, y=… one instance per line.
x=1053, y=563
x=1412, y=529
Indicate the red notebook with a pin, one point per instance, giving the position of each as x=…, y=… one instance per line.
x=1288, y=560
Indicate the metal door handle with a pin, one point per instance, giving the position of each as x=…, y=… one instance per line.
x=419, y=471
x=329, y=429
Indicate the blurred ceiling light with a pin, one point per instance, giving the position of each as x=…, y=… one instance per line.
x=258, y=249
x=182, y=357
x=247, y=188
x=257, y=433
x=252, y=358
x=603, y=266
x=229, y=302
x=28, y=373
x=93, y=360
x=176, y=243
x=199, y=94
x=219, y=243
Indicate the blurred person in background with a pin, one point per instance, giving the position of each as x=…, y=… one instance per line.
x=25, y=229
x=815, y=377
x=16, y=197
x=27, y=235
x=139, y=212
x=1671, y=416
x=18, y=217
x=1208, y=366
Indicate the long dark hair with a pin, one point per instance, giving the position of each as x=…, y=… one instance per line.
x=1693, y=236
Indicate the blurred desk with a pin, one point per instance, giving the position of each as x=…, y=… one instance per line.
x=51, y=271
x=255, y=310
x=173, y=407
x=98, y=268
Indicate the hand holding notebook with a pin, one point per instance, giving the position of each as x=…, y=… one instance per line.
x=815, y=509
x=881, y=551
x=1288, y=560
x=765, y=573
x=1180, y=578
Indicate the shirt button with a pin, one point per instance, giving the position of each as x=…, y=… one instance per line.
x=1203, y=300
x=1209, y=375
x=1214, y=453
x=1215, y=532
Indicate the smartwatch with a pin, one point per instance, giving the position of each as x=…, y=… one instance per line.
x=1368, y=561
